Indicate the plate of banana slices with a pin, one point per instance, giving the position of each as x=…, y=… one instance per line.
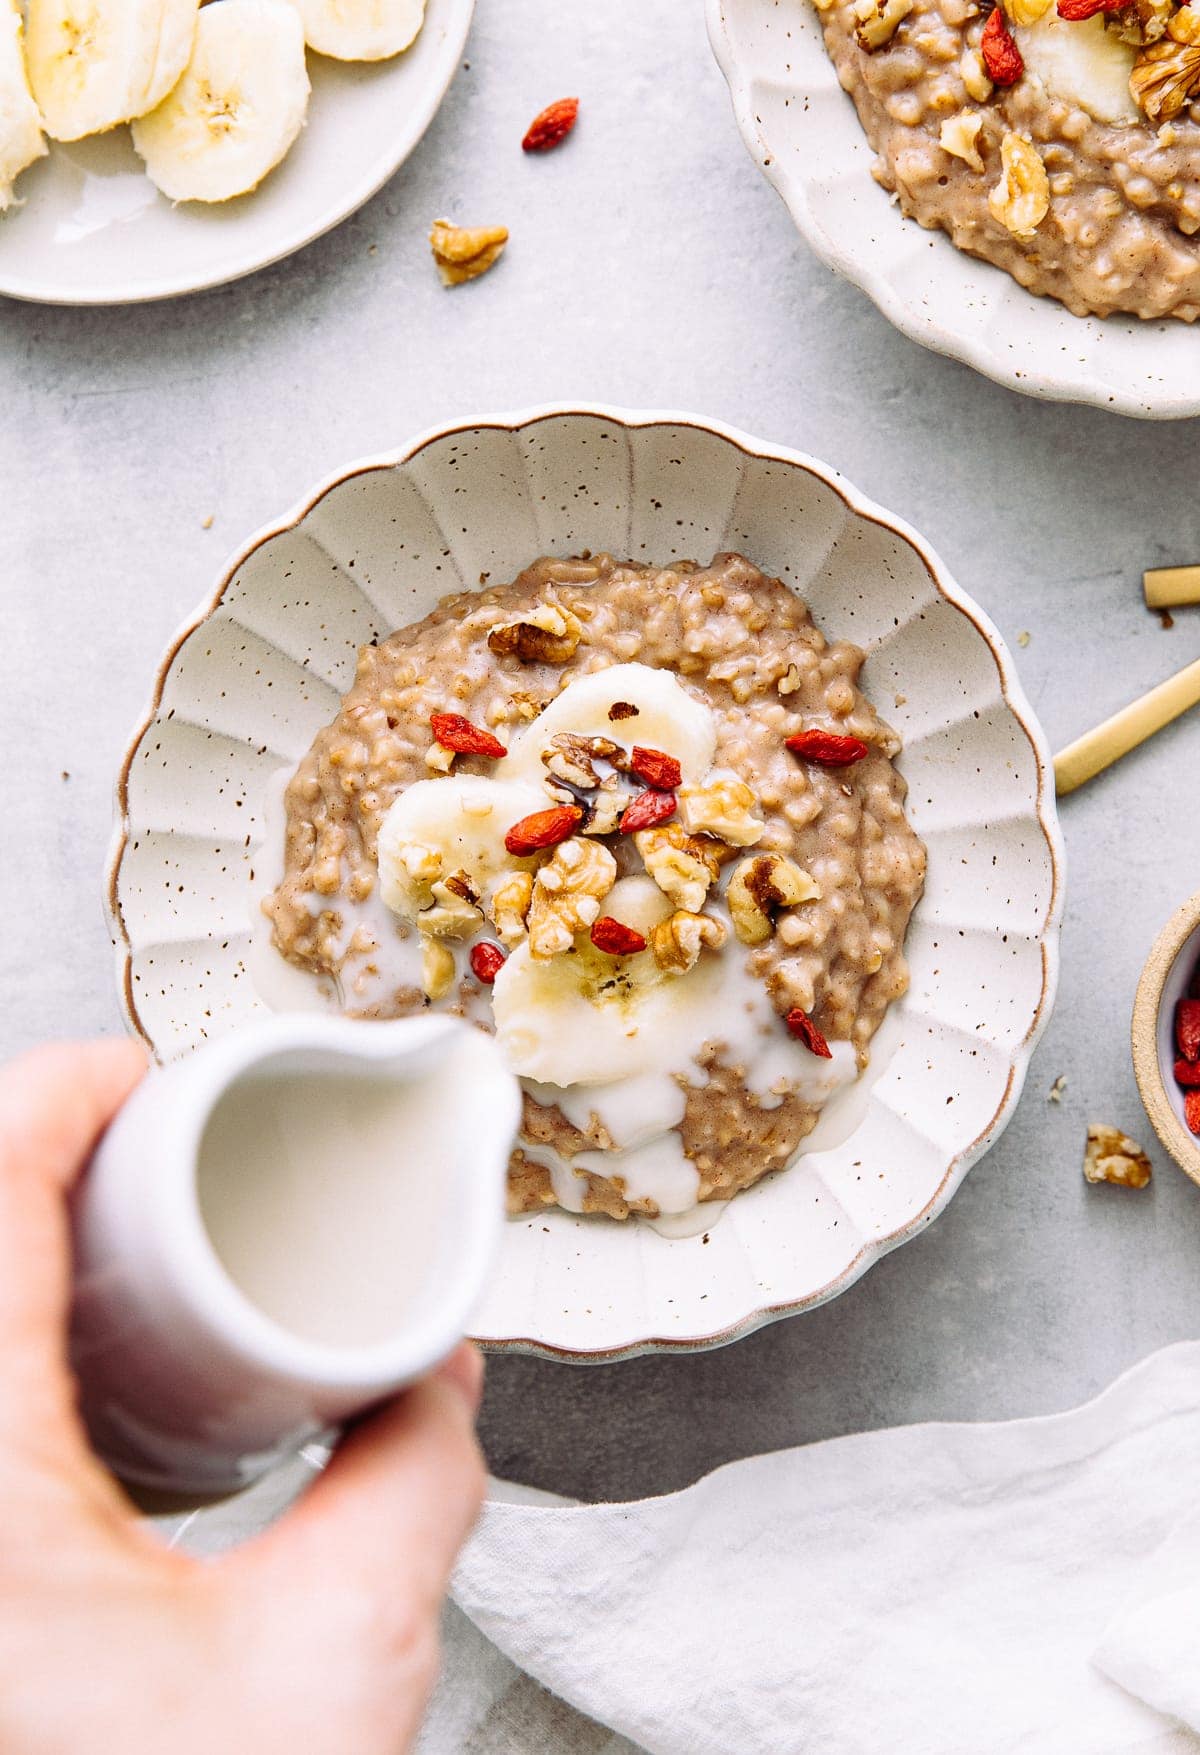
x=150, y=148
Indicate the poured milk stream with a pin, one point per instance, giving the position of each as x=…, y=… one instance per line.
x=323, y=1199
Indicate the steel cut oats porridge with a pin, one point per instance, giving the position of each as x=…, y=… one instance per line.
x=642, y=823
x=1059, y=139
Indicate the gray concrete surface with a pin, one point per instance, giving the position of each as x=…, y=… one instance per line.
x=650, y=265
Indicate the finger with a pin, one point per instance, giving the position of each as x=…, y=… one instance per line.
x=395, y=1505
x=54, y=1104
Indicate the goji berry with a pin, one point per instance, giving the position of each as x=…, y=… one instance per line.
x=1001, y=56
x=1187, y=1028
x=616, y=938
x=802, y=1027
x=454, y=732
x=487, y=960
x=544, y=828
x=647, y=809
x=1191, y=1111
x=551, y=127
x=1187, y=1072
x=1079, y=9
x=827, y=749
x=655, y=768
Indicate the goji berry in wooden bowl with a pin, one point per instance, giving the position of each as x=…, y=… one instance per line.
x=1165, y=1036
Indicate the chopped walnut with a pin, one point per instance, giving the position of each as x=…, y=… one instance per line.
x=683, y=868
x=452, y=914
x=440, y=759
x=959, y=136
x=574, y=759
x=464, y=253
x=724, y=808
x=605, y=813
x=567, y=893
x=1166, y=75
x=974, y=76
x=676, y=943
x=438, y=968
x=509, y=906
x=877, y=21
x=790, y=681
x=548, y=635
x=759, y=888
x=423, y=864
x=1144, y=21
x=1021, y=199
x=1110, y=1156
x=1026, y=11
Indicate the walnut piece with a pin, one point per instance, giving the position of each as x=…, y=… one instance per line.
x=959, y=136
x=1144, y=21
x=1026, y=11
x=877, y=21
x=759, y=888
x=509, y=906
x=452, y=914
x=438, y=968
x=1111, y=1156
x=574, y=759
x=974, y=76
x=682, y=868
x=607, y=809
x=548, y=635
x=724, y=808
x=1166, y=75
x=439, y=758
x=567, y=893
x=676, y=943
x=464, y=253
x=1021, y=199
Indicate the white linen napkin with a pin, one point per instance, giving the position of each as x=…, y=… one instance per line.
x=936, y=1590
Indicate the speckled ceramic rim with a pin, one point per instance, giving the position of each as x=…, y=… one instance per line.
x=918, y=322
x=1147, y=1067
x=1011, y=692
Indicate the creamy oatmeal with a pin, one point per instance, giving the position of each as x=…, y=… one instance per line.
x=1059, y=139
x=642, y=823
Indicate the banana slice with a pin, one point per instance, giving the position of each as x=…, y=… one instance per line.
x=361, y=30
x=21, y=140
x=237, y=109
x=666, y=718
x=439, y=827
x=93, y=64
x=1081, y=63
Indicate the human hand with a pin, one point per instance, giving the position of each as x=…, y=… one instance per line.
x=317, y=1638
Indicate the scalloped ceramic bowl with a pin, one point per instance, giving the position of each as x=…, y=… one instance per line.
x=803, y=131
x=259, y=670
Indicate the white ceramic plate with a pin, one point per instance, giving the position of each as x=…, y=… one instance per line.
x=93, y=229
x=259, y=670
x=804, y=132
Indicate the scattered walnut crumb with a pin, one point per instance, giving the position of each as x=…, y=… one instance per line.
x=1057, y=1090
x=207, y=523
x=1111, y=1156
x=1166, y=619
x=465, y=252
x=1024, y=637
x=900, y=700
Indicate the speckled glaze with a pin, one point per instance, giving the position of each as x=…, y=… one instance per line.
x=247, y=684
x=802, y=128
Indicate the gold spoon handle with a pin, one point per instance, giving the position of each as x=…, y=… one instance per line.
x=1096, y=750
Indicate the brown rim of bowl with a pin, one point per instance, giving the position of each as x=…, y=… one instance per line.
x=1044, y=809
x=1143, y=1035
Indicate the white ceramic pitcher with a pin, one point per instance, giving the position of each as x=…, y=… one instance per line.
x=230, y=1305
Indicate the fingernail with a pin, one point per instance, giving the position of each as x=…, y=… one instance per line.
x=463, y=1371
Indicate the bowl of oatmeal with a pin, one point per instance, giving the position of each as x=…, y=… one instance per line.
x=665, y=757
x=1051, y=147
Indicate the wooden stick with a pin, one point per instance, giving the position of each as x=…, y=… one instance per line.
x=1096, y=750
x=1169, y=587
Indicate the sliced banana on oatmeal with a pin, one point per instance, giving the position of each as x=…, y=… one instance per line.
x=361, y=30
x=93, y=64
x=630, y=703
x=438, y=828
x=21, y=140
x=238, y=107
x=1081, y=62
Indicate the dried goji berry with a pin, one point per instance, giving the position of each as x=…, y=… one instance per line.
x=1001, y=56
x=545, y=828
x=1191, y=1111
x=454, y=732
x=487, y=960
x=827, y=748
x=647, y=809
x=1077, y=9
x=616, y=938
x=655, y=768
x=802, y=1027
x=552, y=126
x=1187, y=1028
x=1187, y=1072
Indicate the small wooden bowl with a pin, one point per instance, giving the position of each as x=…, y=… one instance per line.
x=1165, y=979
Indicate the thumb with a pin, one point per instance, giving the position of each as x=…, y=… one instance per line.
x=396, y=1503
